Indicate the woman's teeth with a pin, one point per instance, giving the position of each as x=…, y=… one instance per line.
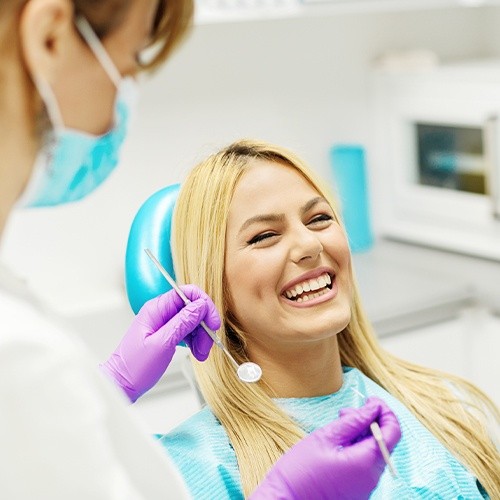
x=305, y=298
x=301, y=291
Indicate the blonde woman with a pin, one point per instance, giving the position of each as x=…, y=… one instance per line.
x=262, y=237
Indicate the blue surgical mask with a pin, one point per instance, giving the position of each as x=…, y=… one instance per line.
x=71, y=163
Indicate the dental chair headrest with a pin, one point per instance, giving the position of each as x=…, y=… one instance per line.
x=151, y=229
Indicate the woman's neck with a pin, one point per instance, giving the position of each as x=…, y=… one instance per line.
x=313, y=370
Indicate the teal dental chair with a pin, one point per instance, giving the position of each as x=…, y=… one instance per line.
x=151, y=228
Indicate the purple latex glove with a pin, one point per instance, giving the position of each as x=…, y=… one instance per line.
x=149, y=344
x=340, y=461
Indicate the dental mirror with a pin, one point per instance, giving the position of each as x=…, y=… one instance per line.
x=247, y=372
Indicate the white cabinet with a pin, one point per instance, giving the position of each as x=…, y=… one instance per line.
x=483, y=342
x=468, y=346
x=441, y=345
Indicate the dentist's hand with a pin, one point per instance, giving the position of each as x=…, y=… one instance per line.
x=149, y=344
x=340, y=461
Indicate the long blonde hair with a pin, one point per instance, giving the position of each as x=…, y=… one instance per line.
x=259, y=430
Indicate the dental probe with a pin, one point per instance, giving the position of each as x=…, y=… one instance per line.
x=248, y=371
x=377, y=434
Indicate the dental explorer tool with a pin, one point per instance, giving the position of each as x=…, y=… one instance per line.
x=377, y=434
x=248, y=371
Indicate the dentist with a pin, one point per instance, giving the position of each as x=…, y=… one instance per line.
x=67, y=84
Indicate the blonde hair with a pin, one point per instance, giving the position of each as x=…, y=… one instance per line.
x=259, y=430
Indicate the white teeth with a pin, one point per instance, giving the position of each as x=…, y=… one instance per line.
x=310, y=297
x=315, y=285
x=309, y=286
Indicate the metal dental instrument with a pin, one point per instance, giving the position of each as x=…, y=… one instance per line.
x=377, y=434
x=248, y=371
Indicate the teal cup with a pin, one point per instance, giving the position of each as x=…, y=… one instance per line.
x=350, y=181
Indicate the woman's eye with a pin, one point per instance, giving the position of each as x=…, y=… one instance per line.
x=260, y=237
x=321, y=218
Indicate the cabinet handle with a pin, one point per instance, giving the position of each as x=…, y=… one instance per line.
x=492, y=151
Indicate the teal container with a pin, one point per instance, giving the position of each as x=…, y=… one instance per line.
x=350, y=182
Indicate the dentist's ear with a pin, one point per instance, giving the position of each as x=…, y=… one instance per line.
x=46, y=30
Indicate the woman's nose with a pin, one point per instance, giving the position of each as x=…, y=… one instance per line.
x=305, y=245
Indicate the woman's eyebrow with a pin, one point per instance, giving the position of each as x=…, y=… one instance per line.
x=311, y=203
x=280, y=217
x=262, y=218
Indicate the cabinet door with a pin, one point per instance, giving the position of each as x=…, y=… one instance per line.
x=441, y=346
x=483, y=346
x=467, y=346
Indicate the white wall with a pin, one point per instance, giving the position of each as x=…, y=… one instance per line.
x=298, y=82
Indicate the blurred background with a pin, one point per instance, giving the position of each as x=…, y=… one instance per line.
x=414, y=85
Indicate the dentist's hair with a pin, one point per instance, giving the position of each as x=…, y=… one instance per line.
x=171, y=23
x=259, y=430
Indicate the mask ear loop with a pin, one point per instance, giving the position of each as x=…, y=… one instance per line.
x=50, y=101
x=98, y=49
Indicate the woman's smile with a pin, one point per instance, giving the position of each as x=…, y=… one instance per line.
x=315, y=287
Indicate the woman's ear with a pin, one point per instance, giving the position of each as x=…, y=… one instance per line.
x=46, y=27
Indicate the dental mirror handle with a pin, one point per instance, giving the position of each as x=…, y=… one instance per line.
x=182, y=295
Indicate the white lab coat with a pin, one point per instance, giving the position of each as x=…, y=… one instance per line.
x=65, y=431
